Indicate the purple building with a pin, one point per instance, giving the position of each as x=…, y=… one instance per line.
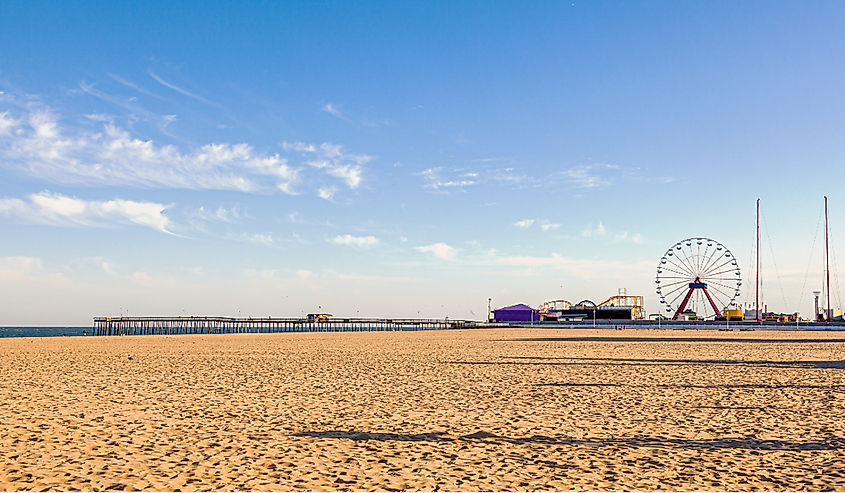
x=516, y=313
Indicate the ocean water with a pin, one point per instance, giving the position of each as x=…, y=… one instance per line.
x=42, y=331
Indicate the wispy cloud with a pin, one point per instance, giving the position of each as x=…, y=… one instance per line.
x=229, y=215
x=599, y=176
x=602, y=231
x=441, y=178
x=131, y=105
x=334, y=111
x=545, y=224
x=266, y=239
x=107, y=266
x=357, y=241
x=258, y=238
x=580, y=268
x=634, y=238
x=180, y=90
x=59, y=210
x=587, y=176
x=599, y=230
x=440, y=250
x=376, y=122
x=548, y=226
x=333, y=160
x=37, y=144
x=435, y=179
x=131, y=85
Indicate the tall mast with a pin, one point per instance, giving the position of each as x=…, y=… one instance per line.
x=757, y=281
x=826, y=263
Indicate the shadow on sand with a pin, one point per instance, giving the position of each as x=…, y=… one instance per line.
x=689, y=386
x=531, y=360
x=646, y=340
x=835, y=443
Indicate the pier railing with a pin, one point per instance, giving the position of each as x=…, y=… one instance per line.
x=108, y=326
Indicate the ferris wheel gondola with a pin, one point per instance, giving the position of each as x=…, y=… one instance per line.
x=698, y=273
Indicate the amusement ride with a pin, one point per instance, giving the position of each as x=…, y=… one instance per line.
x=697, y=274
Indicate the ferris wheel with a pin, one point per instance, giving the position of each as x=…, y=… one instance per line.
x=700, y=274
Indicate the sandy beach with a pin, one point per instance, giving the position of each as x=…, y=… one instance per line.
x=443, y=410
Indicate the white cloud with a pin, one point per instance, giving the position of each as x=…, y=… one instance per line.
x=358, y=241
x=327, y=192
x=333, y=160
x=525, y=223
x=440, y=250
x=39, y=146
x=59, y=210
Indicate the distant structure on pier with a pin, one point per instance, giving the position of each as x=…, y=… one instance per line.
x=619, y=307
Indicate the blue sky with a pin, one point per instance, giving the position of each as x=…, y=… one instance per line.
x=404, y=159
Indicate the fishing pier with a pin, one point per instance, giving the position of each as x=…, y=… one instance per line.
x=131, y=326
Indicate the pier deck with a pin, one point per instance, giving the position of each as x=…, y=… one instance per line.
x=107, y=326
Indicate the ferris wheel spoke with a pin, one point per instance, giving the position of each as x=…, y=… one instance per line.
x=717, y=283
x=711, y=260
x=718, y=289
x=677, y=292
x=709, y=266
x=704, y=258
x=688, y=260
x=684, y=282
x=718, y=301
x=717, y=265
x=722, y=282
x=718, y=274
x=682, y=276
x=682, y=263
x=707, y=256
x=714, y=268
x=673, y=295
x=721, y=297
x=685, y=274
x=680, y=266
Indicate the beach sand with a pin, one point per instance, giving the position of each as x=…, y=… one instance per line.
x=505, y=409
